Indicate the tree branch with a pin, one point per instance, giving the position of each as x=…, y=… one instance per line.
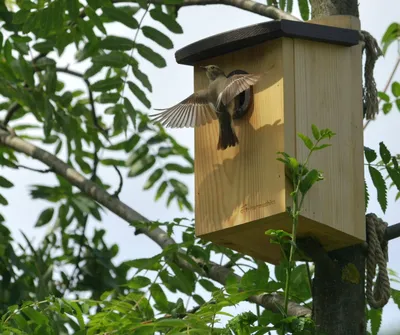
x=247, y=5
x=212, y=270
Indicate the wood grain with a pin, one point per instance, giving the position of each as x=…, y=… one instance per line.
x=241, y=192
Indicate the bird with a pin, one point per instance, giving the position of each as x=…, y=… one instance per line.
x=216, y=102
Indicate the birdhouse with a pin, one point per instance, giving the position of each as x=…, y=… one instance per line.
x=312, y=76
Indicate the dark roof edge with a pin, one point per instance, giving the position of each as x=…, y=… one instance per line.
x=258, y=33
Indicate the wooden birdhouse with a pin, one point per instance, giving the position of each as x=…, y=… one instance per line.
x=313, y=76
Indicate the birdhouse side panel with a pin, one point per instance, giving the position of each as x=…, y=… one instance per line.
x=328, y=94
x=245, y=183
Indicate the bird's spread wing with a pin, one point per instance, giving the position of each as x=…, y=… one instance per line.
x=236, y=85
x=194, y=111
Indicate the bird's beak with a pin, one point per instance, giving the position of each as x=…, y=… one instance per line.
x=204, y=67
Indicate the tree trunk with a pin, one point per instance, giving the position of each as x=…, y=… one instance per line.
x=321, y=8
x=338, y=293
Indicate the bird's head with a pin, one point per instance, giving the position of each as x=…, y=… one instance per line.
x=213, y=71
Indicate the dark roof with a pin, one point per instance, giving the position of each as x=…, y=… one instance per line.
x=258, y=33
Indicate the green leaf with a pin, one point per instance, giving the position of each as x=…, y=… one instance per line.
x=323, y=146
x=179, y=168
x=150, y=55
x=152, y=263
x=27, y=71
x=5, y=183
x=254, y=280
x=391, y=35
x=315, y=132
x=142, y=77
x=289, y=6
x=94, y=18
x=119, y=15
x=3, y=201
x=158, y=37
x=380, y=186
x=138, y=282
x=21, y=16
x=131, y=111
x=304, y=9
x=159, y=297
x=45, y=217
x=35, y=316
x=383, y=96
x=48, y=118
x=395, y=294
x=154, y=177
x=307, y=141
x=108, y=98
x=139, y=94
x=394, y=174
x=198, y=299
x=397, y=101
x=375, y=316
x=111, y=42
x=385, y=153
x=282, y=4
x=107, y=84
x=299, y=283
x=114, y=59
x=370, y=154
x=141, y=166
x=167, y=20
x=396, y=88
x=387, y=107
x=137, y=154
x=73, y=9
x=51, y=80
x=208, y=285
x=309, y=180
x=161, y=190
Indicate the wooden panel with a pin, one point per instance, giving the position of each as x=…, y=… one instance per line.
x=328, y=94
x=244, y=183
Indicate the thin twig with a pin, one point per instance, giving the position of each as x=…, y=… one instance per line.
x=79, y=256
x=95, y=164
x=10, y=112
x=91, y=99
x=20, y=166
x=121, y=182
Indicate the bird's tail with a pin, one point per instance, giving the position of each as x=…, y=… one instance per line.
x=227, y=136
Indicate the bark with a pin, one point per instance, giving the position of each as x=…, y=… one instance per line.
x=338, y=293
x=321, y=8
x=211, y=270
x=247, y=5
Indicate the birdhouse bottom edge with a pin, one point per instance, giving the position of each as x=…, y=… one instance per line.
x=250, y=238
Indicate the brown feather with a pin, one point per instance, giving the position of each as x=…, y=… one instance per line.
x=193, y=111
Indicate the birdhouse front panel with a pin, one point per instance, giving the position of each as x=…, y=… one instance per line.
x=230, y=189
x=311, y=75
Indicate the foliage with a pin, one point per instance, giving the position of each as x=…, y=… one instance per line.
x=70, y=282
x=302, y=180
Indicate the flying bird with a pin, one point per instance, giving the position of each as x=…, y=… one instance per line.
x=215, y=102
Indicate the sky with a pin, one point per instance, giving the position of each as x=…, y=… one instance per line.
x=171, y=85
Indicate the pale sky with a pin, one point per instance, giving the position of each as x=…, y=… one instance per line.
x=171, y=85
